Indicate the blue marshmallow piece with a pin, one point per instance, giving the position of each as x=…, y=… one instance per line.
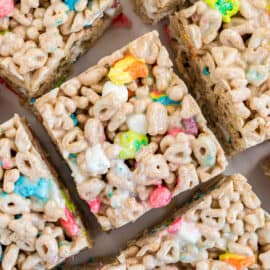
x=71, y=4
x=27, y=188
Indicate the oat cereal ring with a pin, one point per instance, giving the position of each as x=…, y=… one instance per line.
x=26, y=5
x=178, y=153
x=4, y=220
x=14, y=204
x=31, y=262
x=146, y=49
x=74, y=141
x=64, y=105
x=55, y=15
x=94, y=131
x=204, y=150
x=90, y=189
x=10, y=43
x=29, y=165
x=51, y=40
x=10, y=257
x=47, y=248
x=24, y=227
x=31, y=60
x=231, y=38
x=10, y=177
x=210, y=23
x=157, y=119
x=106, y=107
x=254, y=130
x=163, y=77
x=92, y=75
x=224, y=56
x=155, y=167
x=24, y=19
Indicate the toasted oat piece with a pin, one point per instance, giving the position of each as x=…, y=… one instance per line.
x=224, y=58
x=224, y=228
x=39, y=40
x=152, y=11
x=39, y=225
x=131, y=134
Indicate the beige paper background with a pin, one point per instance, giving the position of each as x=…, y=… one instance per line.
x=106, y=244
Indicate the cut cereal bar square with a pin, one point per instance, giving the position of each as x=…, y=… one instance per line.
x=39, y=226
x=223, y=229
x=152, y=11
x=39, y=40
x=131, y=134
x=223, y=52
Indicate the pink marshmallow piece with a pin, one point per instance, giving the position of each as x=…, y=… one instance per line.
x=176, y=225
x=160, y=197
x=69, y=224
x=94, y=205
x=6, y=7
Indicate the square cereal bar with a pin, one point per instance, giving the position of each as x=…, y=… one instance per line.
x=224, y=55
x=39, y=40
x=39, y=226
x=130, y=132
x=153, y=11
x=223, y=229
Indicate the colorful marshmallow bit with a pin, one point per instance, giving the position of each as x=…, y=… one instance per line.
x=95, y=205
x=206, y=71
x=127, y=70
x=71, y=4
x=174, y=131
x=122, y=21
x=75, y=119
x=73, y=157
x=228, y=8
x=190, y=126
x=120, y=91
x=131, y=142
x=69, y=223
x=162, y=98
x=239, y=262
x=175, y=226
x=68, y=203
x=6, y=8
x=186, y=230
x=159, y=197
x=27, y=188
x=5, y=163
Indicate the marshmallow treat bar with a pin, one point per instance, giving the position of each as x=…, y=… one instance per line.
x=225, y=49
x=39, y=226
x=223, y=229
x=40, y=39
x=131, y=134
